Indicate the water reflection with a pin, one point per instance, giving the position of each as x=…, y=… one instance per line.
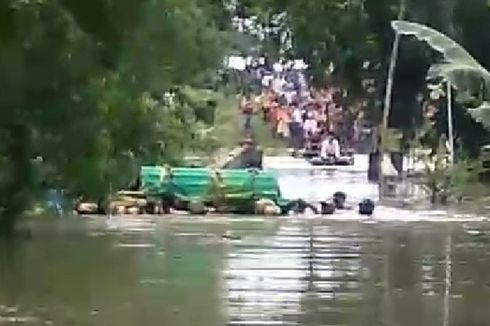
x=348, y=274
x=99, y=277
x=293, y=271
x=266, y=278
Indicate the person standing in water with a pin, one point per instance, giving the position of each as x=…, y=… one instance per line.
x=330, y=147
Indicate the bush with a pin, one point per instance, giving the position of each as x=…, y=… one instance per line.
x=444, y=183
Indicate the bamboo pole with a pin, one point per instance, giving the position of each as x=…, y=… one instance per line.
x=387, y=102
x=450, y=124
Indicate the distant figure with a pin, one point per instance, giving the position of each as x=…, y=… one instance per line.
x=246, y=106
x=330, y=147
x=55, y=201
x=296, y=128
x=366, y=207
x=310, y=125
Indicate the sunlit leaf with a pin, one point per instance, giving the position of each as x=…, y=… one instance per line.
x=481, y=114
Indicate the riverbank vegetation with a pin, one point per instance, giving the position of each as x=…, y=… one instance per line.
x=463, y=75
x=445, y=183
x=93, y=89
x=349, y=43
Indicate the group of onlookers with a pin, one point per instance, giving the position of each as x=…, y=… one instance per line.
x=296, y=112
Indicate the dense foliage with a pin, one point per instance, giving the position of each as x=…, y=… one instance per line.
x=91, y=89
x=355, y=38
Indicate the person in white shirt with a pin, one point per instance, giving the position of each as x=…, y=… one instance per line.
x=278, y=67
x=310, y=126
x=330, y=147
x=267, y=81
x=298, y=116
x=277, y=84
x=289, y=97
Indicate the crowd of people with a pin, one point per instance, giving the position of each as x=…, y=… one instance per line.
x=296, y=112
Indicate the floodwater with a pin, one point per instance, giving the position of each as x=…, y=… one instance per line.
x=185, y=270
x=298, y=179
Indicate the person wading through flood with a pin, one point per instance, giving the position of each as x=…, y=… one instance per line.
x=330, y=147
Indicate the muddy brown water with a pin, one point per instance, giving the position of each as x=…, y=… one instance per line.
x=145, y=271
x=212, y=271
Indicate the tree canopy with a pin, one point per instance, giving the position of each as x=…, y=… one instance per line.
x=355, y=38
x=88, y=89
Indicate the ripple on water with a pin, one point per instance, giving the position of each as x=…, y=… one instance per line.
x=19, y=320
x=135, y=245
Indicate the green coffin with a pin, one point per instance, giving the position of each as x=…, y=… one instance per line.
x=202, y=184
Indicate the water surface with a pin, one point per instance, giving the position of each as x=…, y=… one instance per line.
x=394, y=269
x=158, y=271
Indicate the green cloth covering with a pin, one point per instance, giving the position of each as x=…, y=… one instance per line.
x=238, y=188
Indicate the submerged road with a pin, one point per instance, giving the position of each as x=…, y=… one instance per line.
x=299, y=179
x=399, y=268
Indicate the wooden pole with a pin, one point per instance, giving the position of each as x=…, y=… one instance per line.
x=450, y=124
x=387, y=101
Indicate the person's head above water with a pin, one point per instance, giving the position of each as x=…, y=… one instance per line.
x=327, y=208
x=340, y=194
x=366, y=207
x=339, y=199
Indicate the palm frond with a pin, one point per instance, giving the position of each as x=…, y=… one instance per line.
x=458, y=66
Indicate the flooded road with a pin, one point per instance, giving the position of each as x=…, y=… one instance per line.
x=299, y=179
x=184, y=270
x=264, y=272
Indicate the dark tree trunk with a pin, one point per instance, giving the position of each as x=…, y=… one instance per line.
x=15, y=192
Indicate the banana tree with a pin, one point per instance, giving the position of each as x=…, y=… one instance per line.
x=466, y=75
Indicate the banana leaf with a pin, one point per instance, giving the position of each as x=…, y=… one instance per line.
x=458, y=67
x=481, y=114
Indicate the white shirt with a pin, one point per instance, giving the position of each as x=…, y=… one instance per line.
x=277, y=67
x=298, y=116
x=290, y=96
x=310, y=126
x=277, y=85
x=266, y=80
x=330, y=147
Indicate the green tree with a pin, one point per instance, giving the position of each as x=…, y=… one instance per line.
x=352, y=33
x=87, y=90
